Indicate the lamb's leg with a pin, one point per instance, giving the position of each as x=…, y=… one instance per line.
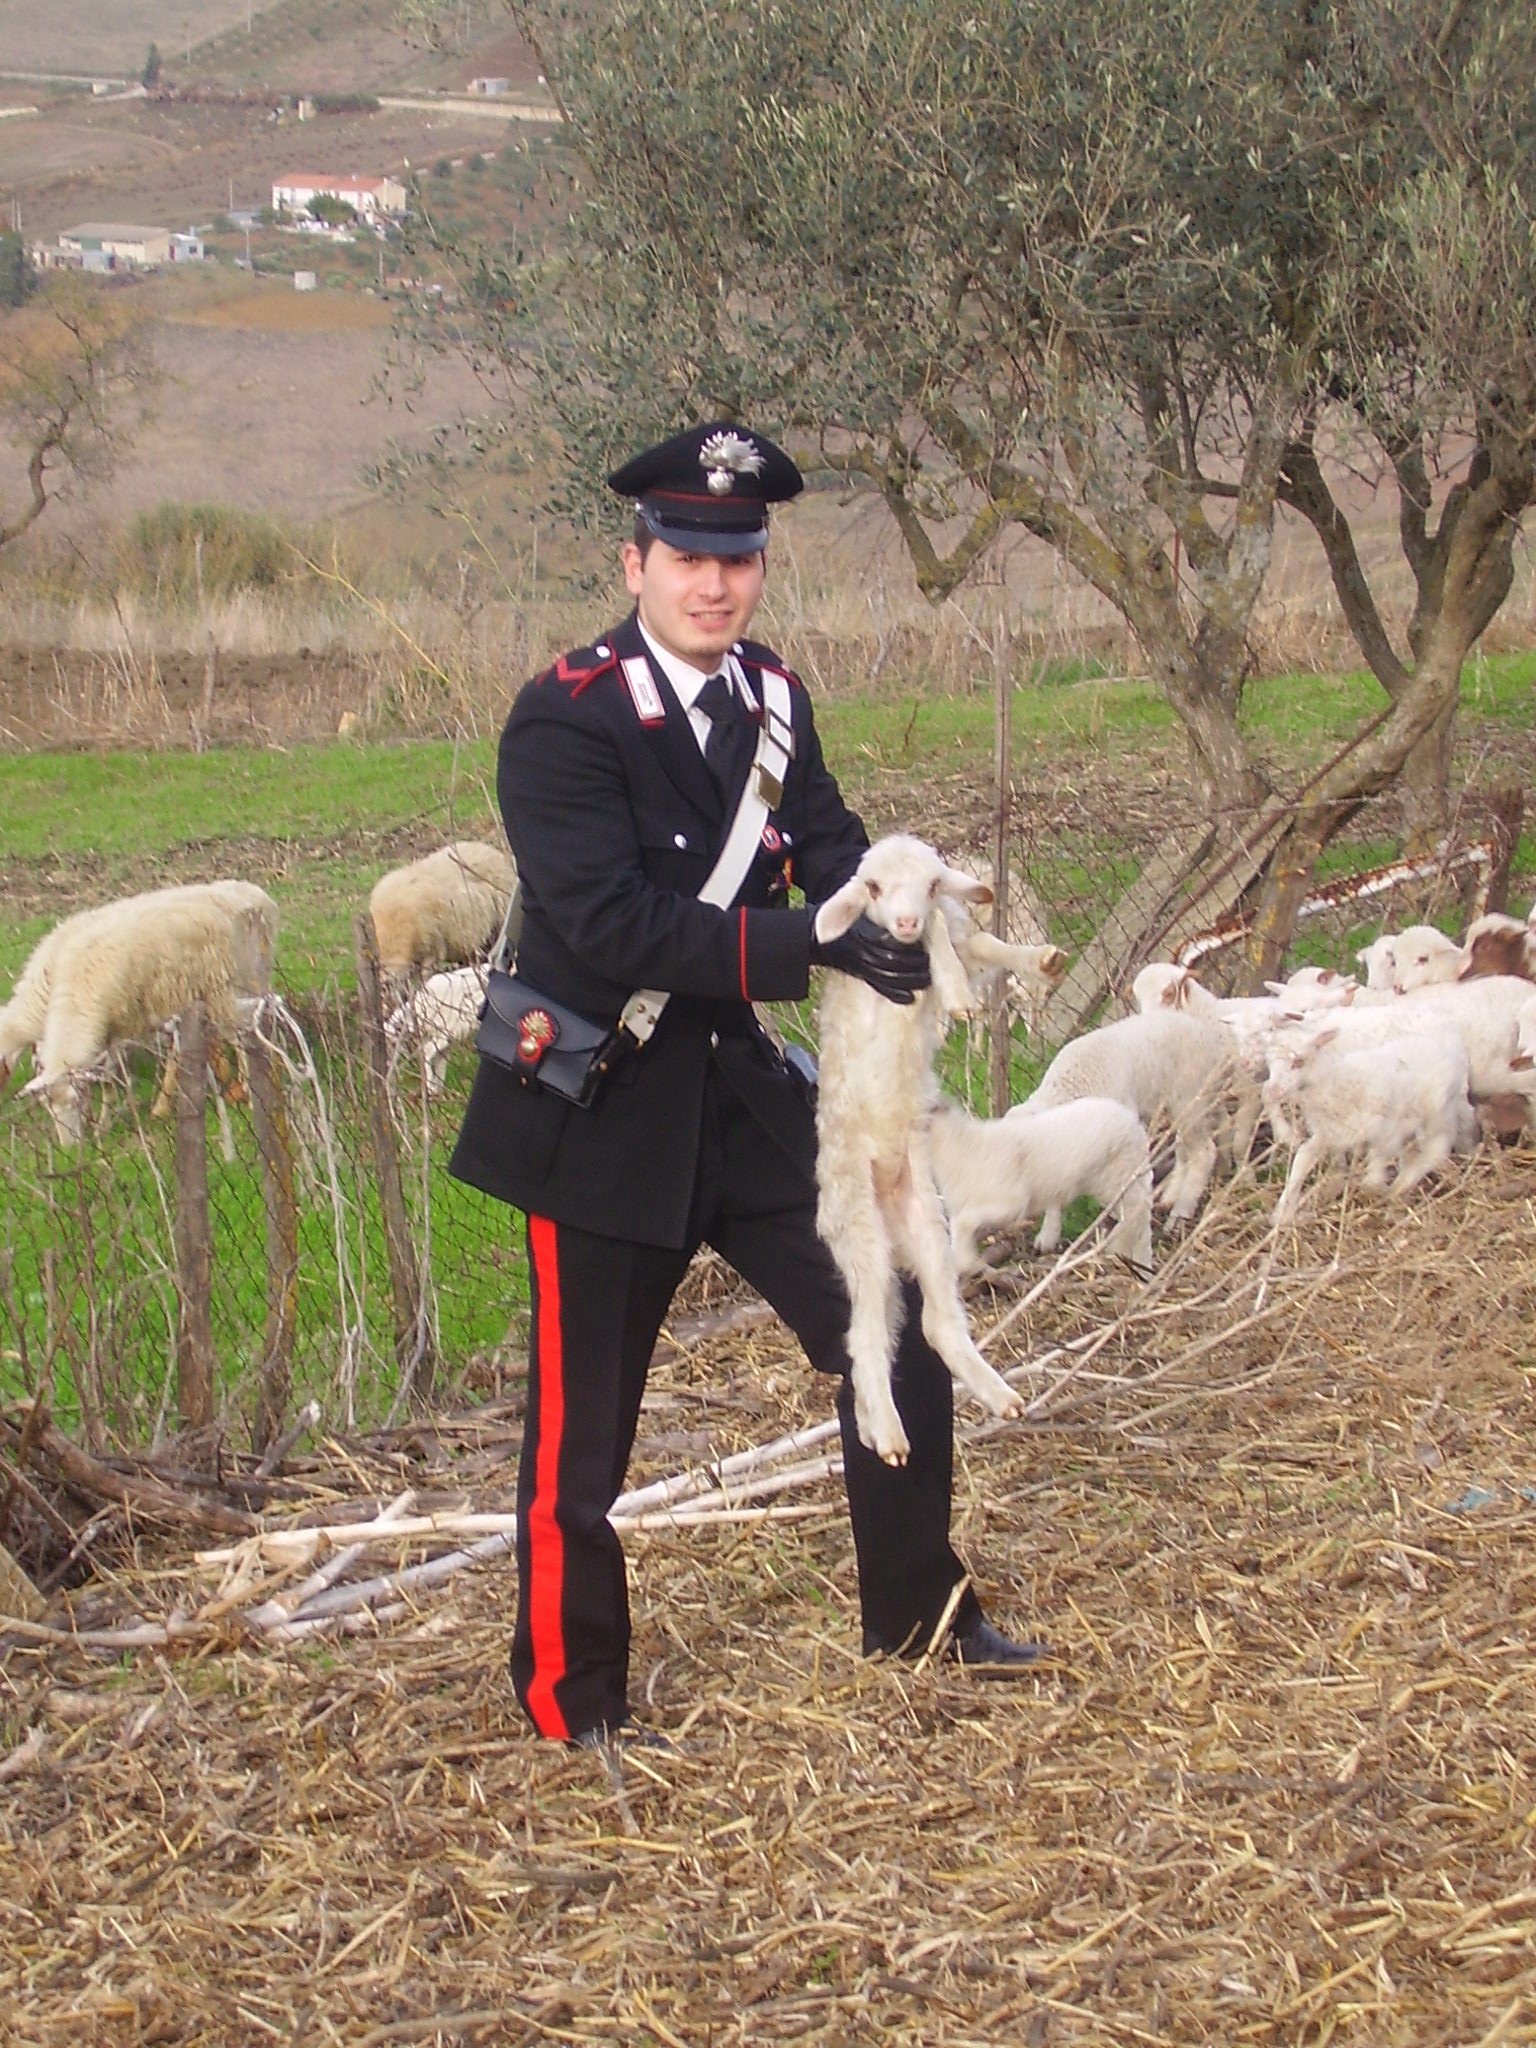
x=1194, y=1155
x=920, y=1232
x=1048, y=1236
x=1131, y=1237
x=1303, y=1159
x=851, y=1224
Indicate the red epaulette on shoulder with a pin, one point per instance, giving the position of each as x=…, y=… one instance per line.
x=765, y=657
x=583, y=665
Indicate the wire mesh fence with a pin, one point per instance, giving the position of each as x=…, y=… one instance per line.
x=300, y=1237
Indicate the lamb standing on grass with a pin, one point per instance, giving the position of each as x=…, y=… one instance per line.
x=124, y=969
x=444, y=909
x=878, y=1208
x=996, y=1171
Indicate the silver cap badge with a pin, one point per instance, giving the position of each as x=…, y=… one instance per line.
x=724, y=456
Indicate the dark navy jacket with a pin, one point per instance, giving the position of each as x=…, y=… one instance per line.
x=615, y=823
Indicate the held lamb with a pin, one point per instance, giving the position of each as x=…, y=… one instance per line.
x=442, y=1013
x=443, y=910
x=997, y=1171
x=123, y=969
x=878, y=1208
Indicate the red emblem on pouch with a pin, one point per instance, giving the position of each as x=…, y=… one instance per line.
x=771, y=839
x=536, y=1033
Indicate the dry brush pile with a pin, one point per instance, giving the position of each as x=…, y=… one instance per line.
x=1274, y=1512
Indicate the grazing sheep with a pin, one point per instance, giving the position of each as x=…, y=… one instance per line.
x=1164, y=1064
x=996, y=1171
x=1403, y=1104
x=444, y=909
x=123, y=969
x=443, y=1012
x=878, y=1208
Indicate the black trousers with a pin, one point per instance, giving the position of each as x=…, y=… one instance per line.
x=597, y=1306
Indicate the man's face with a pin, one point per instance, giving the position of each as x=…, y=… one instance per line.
x=697, y=606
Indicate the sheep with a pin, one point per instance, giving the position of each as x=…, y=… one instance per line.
x=995, y=1171
x=123, y=969
x=1403, y=1104
x=443, y=1012
x=443, y=910
x=1483, y=1013
x=1496, y=944
x=878, y=1208
x=1165, y=1063
x=1417, y=957
x=1249, y=1019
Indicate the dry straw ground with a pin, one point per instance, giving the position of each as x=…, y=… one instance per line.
x=1276, y=1786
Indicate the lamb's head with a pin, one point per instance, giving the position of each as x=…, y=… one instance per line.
x=1423, y=955
x=1378, y=961
x=1161, y=986
x=1314, y=988
x=898, y=884
x=1496, y=944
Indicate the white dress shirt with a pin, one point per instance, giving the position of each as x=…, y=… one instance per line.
x=686, y=681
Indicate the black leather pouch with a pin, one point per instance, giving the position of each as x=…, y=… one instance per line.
x=544, y=1043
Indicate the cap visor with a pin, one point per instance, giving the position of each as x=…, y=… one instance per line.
x=694, y=540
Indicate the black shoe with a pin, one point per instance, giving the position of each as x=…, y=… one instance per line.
x=615, y=1741
x=986, y=1652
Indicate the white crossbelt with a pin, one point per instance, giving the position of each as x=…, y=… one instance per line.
x=763, y=792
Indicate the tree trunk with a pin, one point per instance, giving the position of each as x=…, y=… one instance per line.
x=1426, y=782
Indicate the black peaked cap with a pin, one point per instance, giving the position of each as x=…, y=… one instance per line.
x=707, y=490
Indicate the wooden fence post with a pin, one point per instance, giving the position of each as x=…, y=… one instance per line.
x=999, y=1021
x=413, y=1335
x=193, y=1239
x=269, y=1117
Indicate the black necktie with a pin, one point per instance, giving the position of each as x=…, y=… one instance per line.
x=719, y=704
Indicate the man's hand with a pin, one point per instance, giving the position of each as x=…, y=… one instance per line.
x=894, y=970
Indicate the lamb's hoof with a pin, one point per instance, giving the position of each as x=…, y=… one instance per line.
x=894, y=1457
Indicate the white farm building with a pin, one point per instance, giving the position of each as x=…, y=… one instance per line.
x=369, y=198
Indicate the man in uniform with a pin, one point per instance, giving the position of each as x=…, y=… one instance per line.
x=620, y=773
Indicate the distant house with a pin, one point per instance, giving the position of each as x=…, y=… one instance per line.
x=369, y=198
x=491, y=88
x=114, y=245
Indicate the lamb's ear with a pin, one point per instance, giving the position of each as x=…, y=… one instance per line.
x=1277, y=988
x=842, y=909
x=1173, y=994
x=955, y=882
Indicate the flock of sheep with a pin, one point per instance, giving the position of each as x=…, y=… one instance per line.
x=126, y=970
x=1391, y=1078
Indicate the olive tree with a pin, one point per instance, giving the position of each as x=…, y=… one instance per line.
x=74, y=381
x=1114, y=273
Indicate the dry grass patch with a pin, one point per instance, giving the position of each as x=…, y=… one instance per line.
x=1275, y=1512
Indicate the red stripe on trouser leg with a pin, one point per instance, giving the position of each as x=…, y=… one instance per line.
x=546, y=1542
x=742, y=950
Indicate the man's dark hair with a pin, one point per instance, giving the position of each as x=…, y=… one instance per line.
x=643, y=537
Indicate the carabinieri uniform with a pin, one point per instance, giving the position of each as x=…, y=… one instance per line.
x=700, y=1137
